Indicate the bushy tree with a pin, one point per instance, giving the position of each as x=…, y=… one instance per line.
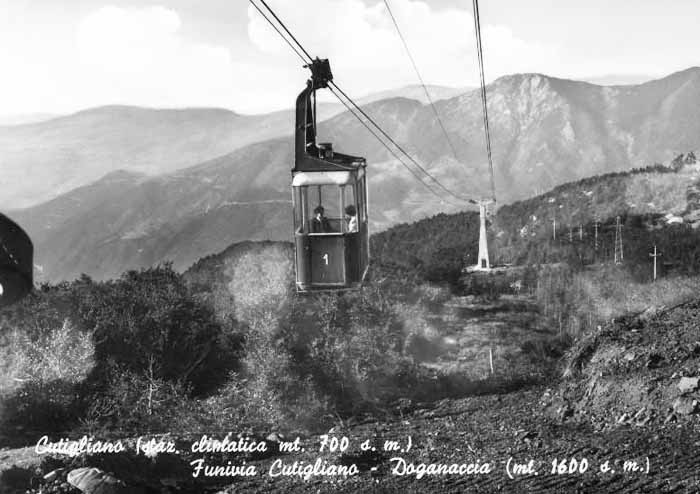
x=126, y=349
x=147, y=321
x=432, y=249
x=350, y=347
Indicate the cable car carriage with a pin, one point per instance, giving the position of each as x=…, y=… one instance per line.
x=16, y=262
x=329, y=190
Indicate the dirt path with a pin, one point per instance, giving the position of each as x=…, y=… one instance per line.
x=466, y=335
x=495, y=428
x=485, y=429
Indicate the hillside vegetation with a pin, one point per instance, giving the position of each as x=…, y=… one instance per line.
x=657, y=205
x=156, y=350
x=229, y=345
x=167, y=350
x=228, y=342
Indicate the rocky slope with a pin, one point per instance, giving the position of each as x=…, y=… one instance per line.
x=641, y=370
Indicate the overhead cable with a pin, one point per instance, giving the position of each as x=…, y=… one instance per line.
x=420, y=79
x=487, y=133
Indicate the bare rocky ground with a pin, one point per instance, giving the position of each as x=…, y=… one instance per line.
x=629, y=395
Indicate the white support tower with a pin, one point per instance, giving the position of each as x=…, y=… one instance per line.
x=483, y=263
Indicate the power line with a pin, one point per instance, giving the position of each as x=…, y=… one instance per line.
x=355, y=105
x=477, y=29
x=388, y=137
x=425, y=89
x=285, y=28
x=280, y=33
x=418, y=177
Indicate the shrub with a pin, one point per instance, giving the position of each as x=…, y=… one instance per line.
x=66, y=354
x=141, y=337
x=39, y=388
x=350, y=346
x=135, y=403
x=445, y=265
x=147, y=321
x=576, y=302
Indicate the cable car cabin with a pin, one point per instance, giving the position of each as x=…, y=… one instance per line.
x=16, y=262
x=331, y=231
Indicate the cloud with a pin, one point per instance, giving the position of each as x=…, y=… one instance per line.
x=118, y=41
x=139, y=55
x=58, y=60
x=367, y=55
x=113, y=55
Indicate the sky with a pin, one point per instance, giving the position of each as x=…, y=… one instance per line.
x=62, y=56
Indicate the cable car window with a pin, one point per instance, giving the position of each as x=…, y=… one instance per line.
x=362, y=200
x=301, y=209
x=299, y=216
x=325, y=207
x=351, y=205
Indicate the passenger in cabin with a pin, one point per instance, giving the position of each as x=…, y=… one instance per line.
x=351, y=218
x=319, y=223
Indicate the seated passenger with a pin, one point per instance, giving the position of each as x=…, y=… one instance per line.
x=319, y=223
x=351, y=218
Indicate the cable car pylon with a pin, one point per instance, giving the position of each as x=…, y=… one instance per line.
x=483, y=261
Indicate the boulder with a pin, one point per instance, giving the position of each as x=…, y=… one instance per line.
x=274, y=437
x=684, y=405
x=54, y=474
x=95, y=481
x=688, y=384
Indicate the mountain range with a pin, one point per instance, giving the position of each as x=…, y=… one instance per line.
x=51, y=155
x=545, y=132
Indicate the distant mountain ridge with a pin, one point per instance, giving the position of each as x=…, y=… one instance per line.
x=416, y=92
x=44, y=156
x=619, y=79
x=25, y=118
x=40, y=161
x=545, y=132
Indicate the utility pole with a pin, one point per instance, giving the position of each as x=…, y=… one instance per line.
x=595, y=225
x=655, y=255
x=619, y=256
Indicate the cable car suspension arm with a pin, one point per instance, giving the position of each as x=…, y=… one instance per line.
x=309, y=60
